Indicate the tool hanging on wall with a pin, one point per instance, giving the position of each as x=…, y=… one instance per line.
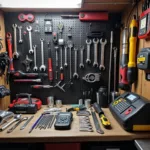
x=114, y=93
x=4, y=62
x=143, y=61
x=61, y=43
x=55, y=37
x=50, y=65
x=48, y=26
x=42, y=67
x=20, y=74
x=144, y=26
x=41, y=86
x=10, y=51
x=28, y=80
x=92, y=77
x=132, y=70
x=89, y=16
x=123, y=83
x=29, y=17
x=27, y=62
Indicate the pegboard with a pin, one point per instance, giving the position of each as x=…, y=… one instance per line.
x=79, y=32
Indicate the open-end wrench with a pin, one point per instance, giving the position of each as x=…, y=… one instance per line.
x=35, y=68
x=17, y=124
x=15, y=53
x=61, y=58
x=16, y=118
x=95, y=41
x=102, y=66
x=75, y=75
x=88, y=43
x=56, y=51
x=20, y=34
x=70, y=45
x=29, y=29
x=81, y=65
x=42, y=67
x=66, y=62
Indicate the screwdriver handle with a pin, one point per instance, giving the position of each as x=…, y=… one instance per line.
x=50, y=70
x=61, y=76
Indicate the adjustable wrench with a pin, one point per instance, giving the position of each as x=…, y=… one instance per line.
x=29, y=29
x=88, y=42
x=101, y=66
x=61, y=58
x=95, y=41
x=75, y=75
x=42, y=67
x=66, y=64
x=20, y=34
x=56, y=50
x=35, y=68
x=15, y=53
x=81, y=65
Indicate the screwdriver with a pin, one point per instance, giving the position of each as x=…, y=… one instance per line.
x=105, y=122
x=132, y=71
x=50, y=69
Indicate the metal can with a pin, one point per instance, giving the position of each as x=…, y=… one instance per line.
x=80, y=102
x=58, y=103
x=50, y=101
x=87, y=103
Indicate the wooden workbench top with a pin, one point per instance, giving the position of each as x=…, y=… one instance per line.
x=73, y=135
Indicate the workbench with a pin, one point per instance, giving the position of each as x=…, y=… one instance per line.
x=73, y=135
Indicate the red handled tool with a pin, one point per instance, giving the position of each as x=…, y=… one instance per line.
x=27, y=80
x=29, y=17
x=41, y=86
x=89, y=16
x=9, y=44
x=123, y=83
x=61, y=76
x=50, y=67
x=20, y=74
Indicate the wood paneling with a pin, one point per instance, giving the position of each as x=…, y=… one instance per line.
x=141, y=86
x=4, y=102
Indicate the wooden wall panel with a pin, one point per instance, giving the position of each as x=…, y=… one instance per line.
x=141, y=86
x=4, y=102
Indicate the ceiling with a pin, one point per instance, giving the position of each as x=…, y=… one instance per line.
x=87, y=5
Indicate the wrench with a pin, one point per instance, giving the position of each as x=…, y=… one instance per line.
x=29, y=29
x=16, y=118
x=16, y=125
x=35, y=68
x=88, y=42
x=42, y=67
x=101, y=66
x=61, y=59
x=95, y=41
x=56, y=50
x=75, y=75
x=81, y=65
x=20, y=35
x=70, y=45
x=66, y=64
x=15, y=53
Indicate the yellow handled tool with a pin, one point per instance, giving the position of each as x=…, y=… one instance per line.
x=132, y=72
x=105, y=122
